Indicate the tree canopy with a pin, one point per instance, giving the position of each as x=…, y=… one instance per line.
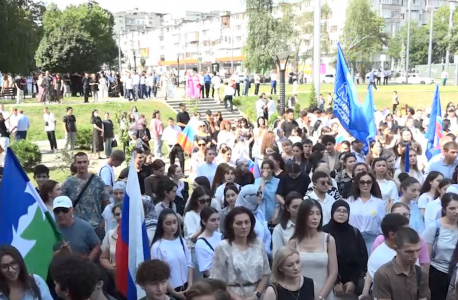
x=21, y=31
x=79, y=38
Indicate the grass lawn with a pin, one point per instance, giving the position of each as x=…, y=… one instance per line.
x=83, y=112
x=413, y=95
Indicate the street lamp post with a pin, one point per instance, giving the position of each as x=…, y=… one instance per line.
x=283, y=56
x=119, y=52
x=450, y=26
x=317, y=45
x=430, y=48
x=408, y=41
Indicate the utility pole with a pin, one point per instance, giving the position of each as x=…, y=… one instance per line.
x=408, y=41
x=430, y=48
x=450, y=26
x=119, y=52
x=317, y=45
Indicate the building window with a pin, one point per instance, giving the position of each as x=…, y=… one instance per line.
x=334, y=28
x=238, y=39
x=386, y=13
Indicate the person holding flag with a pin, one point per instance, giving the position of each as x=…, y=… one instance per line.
x=435, y=131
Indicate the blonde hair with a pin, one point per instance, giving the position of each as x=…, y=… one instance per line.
x=279, y=259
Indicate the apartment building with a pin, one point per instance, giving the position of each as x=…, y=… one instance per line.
x=135, y=19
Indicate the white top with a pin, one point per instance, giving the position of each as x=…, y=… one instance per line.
x=191, y=226
x=207, y=170
x=389, y=190
x=432, y=211
x=107, y=214
x=380, y=256
x=51, y=122
x=225, y=137
x=229, y=90
x=216, y=81
x=176, y=254
x=368, y=216
x=219, y=193
x=326, y=205
x=443, y=245
x=170, y=135
x=424, y=199
x=204, y=253
x=273, y=76
x=271, y=105
x=135, y=78
x=109, y=242
x=281, y=237
x=107, y=174
x=129, y=83
x=260, y=103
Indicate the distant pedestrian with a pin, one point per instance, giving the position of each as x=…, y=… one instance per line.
x=23, y=125
x=108, y=134
x=20, y=85
x=69, y=123
x=228, y=95
x=50, y=128
x=207, y=83
x=86, y=87
x=444, y=77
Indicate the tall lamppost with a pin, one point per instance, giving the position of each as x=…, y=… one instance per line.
x=281, y=60
x=408, y=40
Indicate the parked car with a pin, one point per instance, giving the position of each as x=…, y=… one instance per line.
x=328, y=78
x=415, y=78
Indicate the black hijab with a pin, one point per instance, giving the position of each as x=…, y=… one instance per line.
x=344, y=234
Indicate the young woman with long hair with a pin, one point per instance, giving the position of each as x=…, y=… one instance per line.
x=240, y=259
x=108, y=255
x=287, y=282
x=170, y=247
x=226, y=135
x=49, y=190
x=441, y=237
x=175, y=173
x=166, y=194
x=268, y=185
x=387, y=185
x=414, y=170
x=97, y=133
x=208, y=240
x=231, y=193
x=15, y=281
x=367, y=207
x=151, y=182
x=344, y=178
x=433, y=208
x=287, y=147
x=317, y=249
x=225, y=155
x=410, y=188
x=299, y=158
x=429, y=190
x=279, y=164
x=284, y=230
x=220, y=182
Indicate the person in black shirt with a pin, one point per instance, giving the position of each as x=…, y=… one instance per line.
x=289, y=123
x=142, y=170
x=69, y=122
x=108, y=134
x=294, y=180
x=85, y=83
x=182, y=116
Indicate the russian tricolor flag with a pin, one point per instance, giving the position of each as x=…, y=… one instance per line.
x=253, y=167
x=186, y=137
x=339, y=139
x=132, y=247
x=435, y=130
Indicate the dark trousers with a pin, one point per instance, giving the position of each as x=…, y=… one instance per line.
x=207, y=89
x=143, y=91
x=154, y=91
x=394, y=108
x=237, y=89
x=385, y=80
x=273, y=87
x=202, y=91
x=177, y=151
x=213, y=92
x=20, y=135
x=86, y=94
x=226, y=99
x=130, y=92
x=256, y=88
x=438, y=284
x=52, y=139
x=373, y=84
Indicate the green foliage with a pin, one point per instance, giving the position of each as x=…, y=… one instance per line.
x=313, y=101
x=363, y=33
x=21, y=31
x=267, y=35
x=66, y=157
x=419, y=40
x=297, y=109
x=272, y=120
x=28, y=154
x=79, y=38
x=84, y=138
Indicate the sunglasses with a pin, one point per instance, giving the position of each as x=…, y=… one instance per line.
x=59, y=210
x=201, y=145
x=452, y=110
x=204, y=201
x=364, y=182
x=117, y=214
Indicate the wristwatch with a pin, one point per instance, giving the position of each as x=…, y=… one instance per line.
x=258, y=295
x=320, y=297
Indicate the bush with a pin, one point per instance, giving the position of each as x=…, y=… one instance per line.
x=297, y=110
x=28, y=154
x=313, y=100
x=84, y=138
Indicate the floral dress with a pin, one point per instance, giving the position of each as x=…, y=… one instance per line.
x=241, y=270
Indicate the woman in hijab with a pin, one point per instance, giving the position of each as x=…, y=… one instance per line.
x=351, y=252
x=250, y=197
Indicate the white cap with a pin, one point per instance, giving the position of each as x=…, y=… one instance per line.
x=62, y=201
x=452, y=189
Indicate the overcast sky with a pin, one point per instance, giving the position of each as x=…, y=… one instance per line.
x=167, y=6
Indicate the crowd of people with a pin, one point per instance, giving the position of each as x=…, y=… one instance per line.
x=289, y=210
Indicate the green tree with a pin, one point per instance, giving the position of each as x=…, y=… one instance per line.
x=21, y=31
x=419, y=39
x=363, y=34
x=79, y=38
x=267, y=35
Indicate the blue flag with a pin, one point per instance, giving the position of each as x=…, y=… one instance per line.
x=346, y=105
x=435, y=132
x=368, y=107
x=407, y=159
x=25, y=221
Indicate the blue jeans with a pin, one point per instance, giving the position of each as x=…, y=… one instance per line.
x=158, y=147
x=369, y=240
x=20, y=135
x=273, y=87
x=136, y=92
x=107, y=146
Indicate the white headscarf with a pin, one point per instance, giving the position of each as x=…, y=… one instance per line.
x=248, y=198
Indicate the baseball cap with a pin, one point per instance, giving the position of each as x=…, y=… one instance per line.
x=208, y=112
x=62, y=201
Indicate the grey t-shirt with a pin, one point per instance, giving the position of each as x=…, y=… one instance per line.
x=443, y=247
x=81, y=237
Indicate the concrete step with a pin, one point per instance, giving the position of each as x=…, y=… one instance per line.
x=207, y=104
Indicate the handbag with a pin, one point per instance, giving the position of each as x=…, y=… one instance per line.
x=114, y=144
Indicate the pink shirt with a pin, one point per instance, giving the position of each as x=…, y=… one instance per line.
x=423, y=255
x=156, y=128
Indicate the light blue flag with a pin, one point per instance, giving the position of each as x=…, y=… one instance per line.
x=346, y=105
x=435, y=131
x=368, y=106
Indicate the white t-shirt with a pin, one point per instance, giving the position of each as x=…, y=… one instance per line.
x=51, y=122
x=216, y=81
x=424, y=199
x=326, y=205
x=204, y=253
x=129, y=83
x=368, y=216
x=273, y=77
x=107, y=174
x=389, y=190
x=177, y=255
x=207, y=170
x=107, y=214
x=219, y=193
x=381, y=255
x=191, y=226
x=443, y=245
x=432, y=211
